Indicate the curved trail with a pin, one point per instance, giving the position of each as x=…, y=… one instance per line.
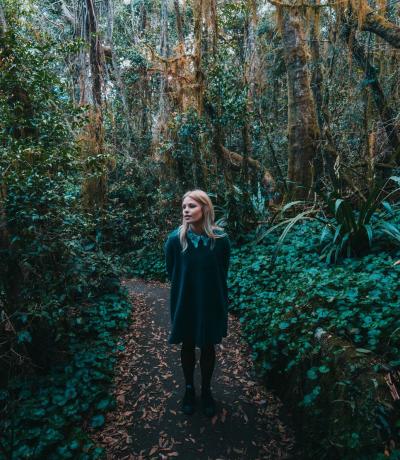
x=149, y=385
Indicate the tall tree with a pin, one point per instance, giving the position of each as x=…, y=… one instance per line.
x=95, y=184
x=382, y=104
x=303, y=132
x=160, y=125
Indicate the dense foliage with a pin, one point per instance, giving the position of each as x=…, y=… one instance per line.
x=60, y=299
x=43, y=413
x=110, y=111
x=286, y=309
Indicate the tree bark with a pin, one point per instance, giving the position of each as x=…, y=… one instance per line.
x=379, y=25
x=3, y=22
x=250, y=66
x=326, y=150
x=386, y=113
x=197, y=52
x=303, y=132
x=163, y=105
x=95, y=184
x=235, y=161
x=96, y=66
x=179, y=22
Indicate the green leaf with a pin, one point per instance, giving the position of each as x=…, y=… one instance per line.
x=24, y=336
x=97, y=421
x=363, y=350
x=338, y=203
x=324, y=369
x=387, y=206
x=312, y=374
x=337, y=233
x=103, y=404
x=368, y=229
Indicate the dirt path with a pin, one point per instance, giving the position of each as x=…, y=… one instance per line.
x=149, y=385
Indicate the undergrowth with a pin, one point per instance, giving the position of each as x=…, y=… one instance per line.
x=287, y=307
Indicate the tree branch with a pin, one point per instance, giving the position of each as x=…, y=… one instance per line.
x=235, y=161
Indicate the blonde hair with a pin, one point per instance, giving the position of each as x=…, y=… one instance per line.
x=209, y=225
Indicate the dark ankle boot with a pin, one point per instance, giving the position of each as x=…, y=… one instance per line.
x=189, y=400
x=207, y=402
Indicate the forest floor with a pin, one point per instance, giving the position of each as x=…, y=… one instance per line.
x=147, y=422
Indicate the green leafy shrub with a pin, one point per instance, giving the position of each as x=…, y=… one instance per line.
x=353, y=230
x=149, y=263
x=283, y=308
x=60, y=301
x=347, y=229
x=42, y=416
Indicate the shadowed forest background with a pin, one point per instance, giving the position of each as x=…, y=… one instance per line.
x=287, y=114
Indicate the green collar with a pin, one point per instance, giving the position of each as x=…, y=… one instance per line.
x=195, y=238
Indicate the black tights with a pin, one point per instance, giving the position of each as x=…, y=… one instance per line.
x=207, y=363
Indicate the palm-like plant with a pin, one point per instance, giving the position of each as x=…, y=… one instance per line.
x=351, y=230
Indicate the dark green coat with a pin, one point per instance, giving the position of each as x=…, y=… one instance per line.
x=199, y=292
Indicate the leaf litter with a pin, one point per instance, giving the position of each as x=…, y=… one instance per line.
x=147, y=423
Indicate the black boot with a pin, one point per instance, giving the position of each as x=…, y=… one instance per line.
x=189, y=400
x=207, y=402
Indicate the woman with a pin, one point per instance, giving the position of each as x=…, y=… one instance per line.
x=197, y=260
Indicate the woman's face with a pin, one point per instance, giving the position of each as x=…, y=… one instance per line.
x=191, y=210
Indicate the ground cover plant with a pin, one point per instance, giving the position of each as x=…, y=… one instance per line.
x=319, y=332
x=43, y=415
x=348, y=228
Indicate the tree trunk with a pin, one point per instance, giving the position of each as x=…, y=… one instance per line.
x=179, y=22
x=303, y=132
x=144, y=121
x=95, y=55
x=95, y=184
x=163, y=105
x=197, y=52
x=3, y=23
x=249, y=83
x=327, y=152
x=234, y=162
x=386, y=113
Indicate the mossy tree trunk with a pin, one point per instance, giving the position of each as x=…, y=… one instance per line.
x=386, y=113
x=303, y=132
x=377, y=24
x=95, y=184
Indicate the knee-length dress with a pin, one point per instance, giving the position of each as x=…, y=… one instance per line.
x=199, y=292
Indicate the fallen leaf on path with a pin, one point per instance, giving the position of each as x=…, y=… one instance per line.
x=146, y=378
x=223, y=416
x=153, y=450
x=121, y=399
